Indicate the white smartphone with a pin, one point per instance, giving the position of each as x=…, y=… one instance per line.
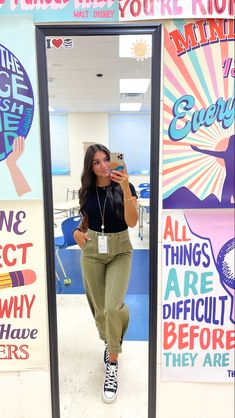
x=117, y=161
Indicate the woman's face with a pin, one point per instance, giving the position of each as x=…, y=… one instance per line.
x=101, y=164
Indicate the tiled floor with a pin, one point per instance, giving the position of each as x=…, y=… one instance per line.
x=81, y=368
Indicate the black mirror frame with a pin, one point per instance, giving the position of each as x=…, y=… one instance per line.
x=97, y=30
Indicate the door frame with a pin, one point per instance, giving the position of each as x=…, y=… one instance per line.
x=155, y=30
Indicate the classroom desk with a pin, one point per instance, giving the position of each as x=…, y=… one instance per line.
x=143, y=206
x=66, y=207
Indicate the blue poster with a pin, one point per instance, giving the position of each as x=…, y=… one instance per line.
x=20, y=154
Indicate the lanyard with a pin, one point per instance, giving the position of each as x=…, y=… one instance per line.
x=101, y=212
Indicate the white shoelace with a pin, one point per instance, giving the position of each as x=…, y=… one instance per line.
x=111, y=377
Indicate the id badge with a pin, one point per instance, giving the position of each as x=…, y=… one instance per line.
x=102, y=244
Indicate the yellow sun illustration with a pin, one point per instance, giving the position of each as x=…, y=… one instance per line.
x=140, y=50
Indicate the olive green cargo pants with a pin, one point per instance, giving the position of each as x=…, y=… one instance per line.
x=106, y=278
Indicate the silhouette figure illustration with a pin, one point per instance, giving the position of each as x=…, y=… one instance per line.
x=228, y=192
x=222, y=246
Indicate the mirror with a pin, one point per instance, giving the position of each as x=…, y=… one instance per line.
x=84, y=97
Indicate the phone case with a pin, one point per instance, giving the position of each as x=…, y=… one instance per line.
x=117, y=161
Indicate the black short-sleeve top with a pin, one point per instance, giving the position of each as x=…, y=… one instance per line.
x=112, y=222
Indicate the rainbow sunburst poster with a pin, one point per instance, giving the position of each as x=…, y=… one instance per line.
x=198, y=115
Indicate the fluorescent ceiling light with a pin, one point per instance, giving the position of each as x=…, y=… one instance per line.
x=134, y=85
x=135, y=46
x=131, y=107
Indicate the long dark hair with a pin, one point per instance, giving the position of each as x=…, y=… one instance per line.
x=88, y=180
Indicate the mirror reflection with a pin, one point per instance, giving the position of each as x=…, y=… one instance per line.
x=99, y=93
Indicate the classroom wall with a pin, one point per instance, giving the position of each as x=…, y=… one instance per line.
x=131, y=133
x=84, y=127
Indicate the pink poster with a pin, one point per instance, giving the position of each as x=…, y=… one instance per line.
x=198, y=285
x=23, y=302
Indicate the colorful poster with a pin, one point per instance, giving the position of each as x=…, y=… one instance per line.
x=23, y=296
x=199, y=112
x=63, y=10
x=198, y=306
x=114, y=10
x=173, y=9
x=23, y=301
x=20, y=160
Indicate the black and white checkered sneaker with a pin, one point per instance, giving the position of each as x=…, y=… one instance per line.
x=106, y=354
x=110, y=388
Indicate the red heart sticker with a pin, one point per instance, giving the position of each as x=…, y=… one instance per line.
x=57, y=42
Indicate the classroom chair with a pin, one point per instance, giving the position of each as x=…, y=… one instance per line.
x=65, y=241
x=144, y=186
x=145, y=194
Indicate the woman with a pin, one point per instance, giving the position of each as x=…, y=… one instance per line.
x=108, y=207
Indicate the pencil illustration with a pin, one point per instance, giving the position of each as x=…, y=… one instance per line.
x=17, y=278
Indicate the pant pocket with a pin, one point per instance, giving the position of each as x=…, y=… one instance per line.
x=90, y=246
x=125, y=243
